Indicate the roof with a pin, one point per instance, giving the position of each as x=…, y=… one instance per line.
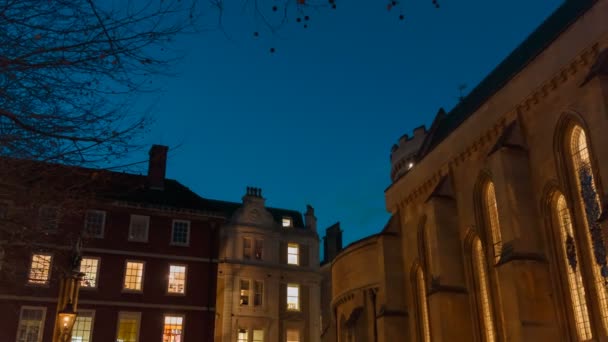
x=537, y=42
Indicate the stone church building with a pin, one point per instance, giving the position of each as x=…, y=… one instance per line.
x=499, y=209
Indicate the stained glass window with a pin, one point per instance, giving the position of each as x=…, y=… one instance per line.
x=492, y=219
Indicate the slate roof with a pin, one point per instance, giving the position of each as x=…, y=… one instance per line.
x=538, y=41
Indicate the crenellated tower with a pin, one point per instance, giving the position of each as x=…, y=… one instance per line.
x=403, y=154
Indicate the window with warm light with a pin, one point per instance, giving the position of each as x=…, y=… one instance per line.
x=49, y=218
x=31, y=324
x=484, y=294
x=180, y=234
x=293, y=297
x=491, y=211
x=40, y=269
x=581, y=162
x=128, y=327
x=83, y=327
x=246, y=248
x=243, y=335
x=258, y=250
x=94, y=223
x=244, y=292
x=287, y=221
x=575, y=280
x=258, y=293
x=173, y=330
x=293, y=335
x=258, y=335
x=138, y=228
x=293, y=254
x=90, y=268
x=423, y=310
x=177, y=279
x=134, y=276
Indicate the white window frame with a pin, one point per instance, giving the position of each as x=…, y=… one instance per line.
x=298, y=304
x=187, y=243
x=287, y=222
x=245, y=255
x=42, y=321
x=82, y=286
x=249, y=289
x=297, y=255
x=132, y=314
x=143, y=276
x=261, y=293
x=50, y=272
x=103, y=224
x=147, y=220
x=185, y=266
x=183, y=317
x=238, y=331
x=253, y=334
x=80, y=311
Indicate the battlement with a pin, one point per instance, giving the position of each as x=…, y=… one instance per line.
x=404, y=152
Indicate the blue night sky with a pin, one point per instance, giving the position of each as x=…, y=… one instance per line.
x=314, y=122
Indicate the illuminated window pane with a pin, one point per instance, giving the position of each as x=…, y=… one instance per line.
x=258, y=336
x=483, y=284
x=242, y=335
x=575, y=280
x=258, y=295
x=177, y=279
x=94, y=223
x=492, y=218
x=287, y=222
x=83, y=327
x=293, y=297
x=128, y=327
x=31, y=324
x=423, y=306
x=293, y=335
x=40, y=269
x=293, y=254
x=173, y=329
x=134, y=274
x=244, y=292
x=90, y=268
x=138, y=228
x=180, y=234
x=580, y=159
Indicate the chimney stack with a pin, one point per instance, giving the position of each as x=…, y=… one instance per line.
x=310, y=218
x=157, y=167
x=332, y=242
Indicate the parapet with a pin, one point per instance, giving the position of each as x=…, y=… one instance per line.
x=403, y=154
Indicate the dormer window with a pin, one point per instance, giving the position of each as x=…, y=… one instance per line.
x=287, y=221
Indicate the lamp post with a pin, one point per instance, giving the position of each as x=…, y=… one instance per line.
x=67, y=300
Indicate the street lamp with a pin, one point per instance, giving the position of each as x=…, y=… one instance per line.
x=67, y=318
x=67, y=301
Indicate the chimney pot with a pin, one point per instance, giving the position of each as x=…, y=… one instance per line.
x=157, y=166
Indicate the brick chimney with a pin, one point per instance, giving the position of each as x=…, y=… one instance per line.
x=157, y=166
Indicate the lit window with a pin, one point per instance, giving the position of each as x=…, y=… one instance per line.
x=259, y=249
x=242, y=335
x=485, y=300
x=90, y=268
x=128, y=327
x=293, y=254
x=40, y=269
x=293, y=297
x=177, y=279
x=94, y=223
x=491, y=208
x=423, y=309
x=173, y=329
x=246, y=248
x=258, y=293
x=287, y=221
x=244, y=292
x=138, y=228
x=581, y=160
x=48, y=218
x=134, y=274
x=31, y=324
x=83, y=326
x=575, y=280
x=180, y=234
x=258, y=336
x=293, y=335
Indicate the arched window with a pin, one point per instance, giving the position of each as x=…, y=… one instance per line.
x=423, y=309
x=569, y=252
x=491, y=213
x=483, y=286
x=582, y=167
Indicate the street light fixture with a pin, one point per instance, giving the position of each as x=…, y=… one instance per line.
x=67, y=317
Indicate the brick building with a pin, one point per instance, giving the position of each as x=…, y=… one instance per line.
x=149, y=256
